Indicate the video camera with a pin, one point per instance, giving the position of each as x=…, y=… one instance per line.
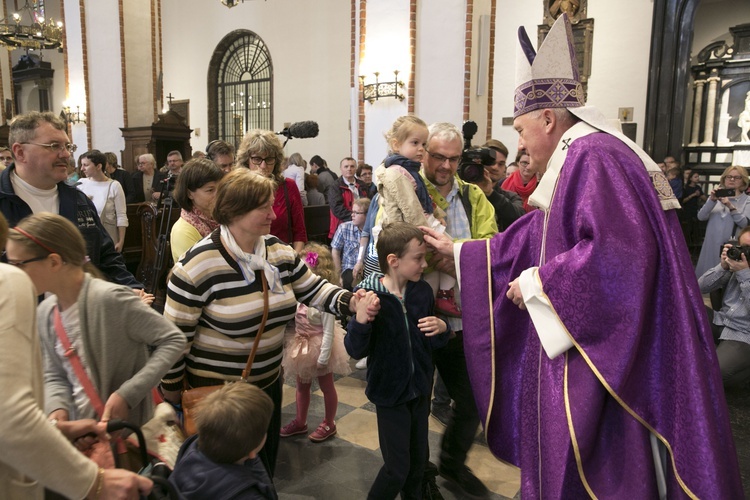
x=474, y=160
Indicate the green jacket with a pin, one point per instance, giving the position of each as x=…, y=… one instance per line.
x=478, y=209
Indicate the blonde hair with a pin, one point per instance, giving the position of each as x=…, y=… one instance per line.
x=741, y=170
x=47, y=233
x=401, y=129
x=324, y=266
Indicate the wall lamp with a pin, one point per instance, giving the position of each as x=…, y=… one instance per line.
x=73, y=117
x=374, y=91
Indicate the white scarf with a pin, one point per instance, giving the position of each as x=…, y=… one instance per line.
x=251, y=262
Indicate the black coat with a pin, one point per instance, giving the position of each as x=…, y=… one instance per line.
x=156, y=184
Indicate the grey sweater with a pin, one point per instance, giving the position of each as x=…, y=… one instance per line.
x=116, y=329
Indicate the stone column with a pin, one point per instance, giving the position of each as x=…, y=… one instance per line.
x=697, y=108
x=708, y=133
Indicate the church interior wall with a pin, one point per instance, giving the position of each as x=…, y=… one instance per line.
x=311, y=49
x=139, y=68
x=104, y=86
x=310, y=46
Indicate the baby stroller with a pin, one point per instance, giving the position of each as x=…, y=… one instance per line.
x=157, y=471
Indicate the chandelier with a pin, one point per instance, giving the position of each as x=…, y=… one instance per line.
x=29, y=29
x=232, y=3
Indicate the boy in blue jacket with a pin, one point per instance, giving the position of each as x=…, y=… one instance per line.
x=221, y=461
x=399, y=343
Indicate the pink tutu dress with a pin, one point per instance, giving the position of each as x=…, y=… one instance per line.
x=317, y=338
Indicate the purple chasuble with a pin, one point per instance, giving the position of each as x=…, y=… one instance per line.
x=618, y=275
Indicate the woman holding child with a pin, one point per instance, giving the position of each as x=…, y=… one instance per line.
x=216, y=296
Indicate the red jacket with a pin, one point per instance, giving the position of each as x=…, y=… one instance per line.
x=340, y=199
x=280, y=226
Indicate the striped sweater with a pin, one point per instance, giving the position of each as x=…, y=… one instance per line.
x=211, y=302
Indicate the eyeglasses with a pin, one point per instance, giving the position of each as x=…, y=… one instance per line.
x=442, y=159
x=20, y=263
x=257, y=160
x=733, y=177
x=523, y=163
x=56, y=147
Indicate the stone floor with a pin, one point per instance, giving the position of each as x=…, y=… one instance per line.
x=343, y=467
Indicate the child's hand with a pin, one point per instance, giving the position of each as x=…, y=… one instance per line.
x=431, y=326
x=365, y=303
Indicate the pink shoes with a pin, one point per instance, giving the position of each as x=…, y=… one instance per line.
x=445, y=303
x=323, y=432
x=293, y=428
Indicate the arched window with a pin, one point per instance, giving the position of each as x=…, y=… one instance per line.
x=240, y=83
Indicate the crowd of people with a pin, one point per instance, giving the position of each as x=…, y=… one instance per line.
x=514, y=291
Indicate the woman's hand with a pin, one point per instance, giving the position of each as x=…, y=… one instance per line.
x=146, y=298
x=371, y=309
x=365, y=304
x=77, y=430
x=431, y=326
x=119, y=484
x=116, y=408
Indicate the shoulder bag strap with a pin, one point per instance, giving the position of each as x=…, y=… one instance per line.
x=288, y=214
x=75, y=361
x=262, y=327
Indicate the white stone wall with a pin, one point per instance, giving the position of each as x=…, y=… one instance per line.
x=309, y=43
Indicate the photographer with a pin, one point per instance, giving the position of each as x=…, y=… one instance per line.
x=507, y=204
x=731, y=324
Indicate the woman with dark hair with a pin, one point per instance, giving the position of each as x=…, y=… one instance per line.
x=262, y=151
x=194, y=191
x=225, y=285
x=107, y=195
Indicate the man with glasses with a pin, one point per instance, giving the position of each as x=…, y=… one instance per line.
x=36, y=183
x=469, y=215
x=589, y=349
x=342, y=194
x=345, y=243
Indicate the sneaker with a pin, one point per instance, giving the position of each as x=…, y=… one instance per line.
x=443, y=413
x=323, y=432
x=361, y=364
x=445, y=303
x=466, y=480
x=293, y=428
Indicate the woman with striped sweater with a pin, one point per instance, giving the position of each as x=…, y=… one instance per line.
x=215, y=295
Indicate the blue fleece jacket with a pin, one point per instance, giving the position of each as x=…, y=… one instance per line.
x=197, y=476
x=399, y=355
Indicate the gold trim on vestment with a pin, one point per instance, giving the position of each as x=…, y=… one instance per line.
x=572, y=430
x=616, y=398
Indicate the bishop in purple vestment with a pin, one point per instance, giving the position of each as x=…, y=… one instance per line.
x=595, y=371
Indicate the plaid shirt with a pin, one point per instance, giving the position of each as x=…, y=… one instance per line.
x=346, y=240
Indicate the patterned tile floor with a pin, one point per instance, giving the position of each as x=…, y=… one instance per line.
x=343, y=467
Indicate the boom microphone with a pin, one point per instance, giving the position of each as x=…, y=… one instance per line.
x=300, y=130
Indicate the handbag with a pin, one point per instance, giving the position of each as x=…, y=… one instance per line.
x=192, y=397
x=101, y=453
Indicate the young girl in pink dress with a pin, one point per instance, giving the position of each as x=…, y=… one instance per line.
x=317, y=350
